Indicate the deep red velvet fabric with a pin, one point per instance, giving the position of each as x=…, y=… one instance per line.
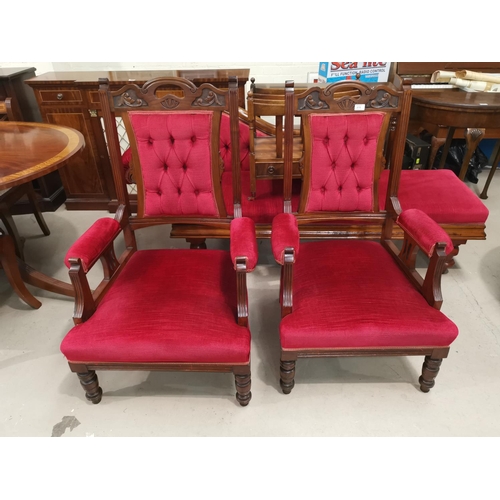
x=267, y=203
x=175, y=153
x=284, y=234
x=439, y=193
x=167, y=306
x=343, y=151
x=92, y=242
x=351, y=294
x=424, y=230
x=244, y=242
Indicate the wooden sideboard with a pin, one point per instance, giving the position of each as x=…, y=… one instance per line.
x=72, y=99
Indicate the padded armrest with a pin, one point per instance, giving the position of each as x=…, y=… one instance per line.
x=90, y=245
x=284, y=234
x=244, y=242
x=424, y=230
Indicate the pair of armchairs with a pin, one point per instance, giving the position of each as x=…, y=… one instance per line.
x=187, y=310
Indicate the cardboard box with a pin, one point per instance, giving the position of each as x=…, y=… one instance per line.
x=330, y=72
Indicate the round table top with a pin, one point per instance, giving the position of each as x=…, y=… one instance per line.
x=30, y=150
x=482, y=101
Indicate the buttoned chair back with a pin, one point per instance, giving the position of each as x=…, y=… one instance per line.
x=174, y=132
x=351, y=132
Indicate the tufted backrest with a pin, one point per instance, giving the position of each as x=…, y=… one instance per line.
x=351, y=131
x=175, y=156
x=343, y=150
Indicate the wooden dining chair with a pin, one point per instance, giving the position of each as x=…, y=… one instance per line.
x=165, y=309
x=266, y=151
x=355, y=295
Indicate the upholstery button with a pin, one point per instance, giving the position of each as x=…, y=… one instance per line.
x=172, y=140
x=179, y=191
x=196, y=192
x=323, y=189
x=365, y=140
x=340, y=188
x=193, y=139
x=345, y=138
x=165, y=167
x=158, y=192
x=226, y=146
x=353, y=165
x=334, y=165
x=150, y=141
x=184, y=167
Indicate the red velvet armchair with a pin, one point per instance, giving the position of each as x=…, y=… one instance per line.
x=167, y=309
x=352, y=296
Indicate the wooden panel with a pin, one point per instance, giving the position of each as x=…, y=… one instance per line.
x=72, y=96
x=93, y=97
x=81, y=177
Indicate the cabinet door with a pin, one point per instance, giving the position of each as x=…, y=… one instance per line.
x=83, y=177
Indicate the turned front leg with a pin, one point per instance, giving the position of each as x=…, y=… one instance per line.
x=90, y=385
x=430, y=369
x=287, y=375
x=243, y=383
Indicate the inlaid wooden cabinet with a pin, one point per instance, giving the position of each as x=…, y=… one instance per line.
x=72, y=99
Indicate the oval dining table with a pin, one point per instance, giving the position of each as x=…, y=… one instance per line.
x=29, y=151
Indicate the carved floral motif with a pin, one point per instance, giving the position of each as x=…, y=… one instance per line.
x=209, y=98
x=384, y=100
x=129, y=99
x=170, y=102
x=312, y=101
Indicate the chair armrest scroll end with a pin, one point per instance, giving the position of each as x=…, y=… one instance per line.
x=285, y=238
x=243, y=245
x=89, y=247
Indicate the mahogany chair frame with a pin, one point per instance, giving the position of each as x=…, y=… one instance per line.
x=396, y=103
x=147, y=98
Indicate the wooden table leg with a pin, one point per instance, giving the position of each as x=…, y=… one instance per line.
x=473, y=137
x=43, y=281
x=484, y=193
x=8, y=259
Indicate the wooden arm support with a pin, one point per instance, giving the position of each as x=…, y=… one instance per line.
x=241, y=291
x=86, y=300
x=422, y=232
x=286, y=282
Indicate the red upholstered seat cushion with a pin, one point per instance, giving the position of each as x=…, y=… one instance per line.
x=438, y=193
x=267, y=203
x=351, y=294
x=167, y=306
